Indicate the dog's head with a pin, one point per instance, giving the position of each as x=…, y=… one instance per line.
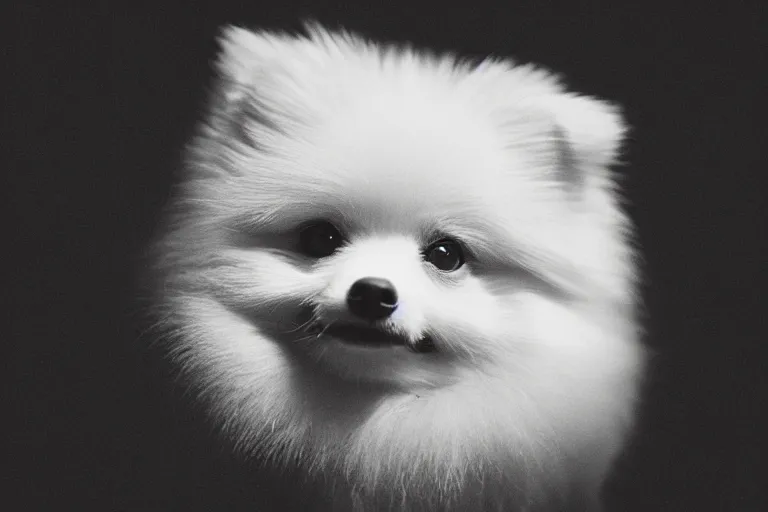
x=397, y=217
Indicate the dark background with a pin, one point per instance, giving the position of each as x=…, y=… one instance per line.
x=102, y=99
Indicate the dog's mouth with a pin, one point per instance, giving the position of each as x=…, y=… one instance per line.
x=372, y=337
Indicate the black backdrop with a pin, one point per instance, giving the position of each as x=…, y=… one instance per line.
x=102, y=99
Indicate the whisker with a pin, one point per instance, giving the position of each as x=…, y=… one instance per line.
x=324, y=329
x=301, y=326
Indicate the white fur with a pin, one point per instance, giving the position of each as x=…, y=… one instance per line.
x=531, y=392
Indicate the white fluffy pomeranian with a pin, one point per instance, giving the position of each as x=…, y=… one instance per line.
x=405, y=277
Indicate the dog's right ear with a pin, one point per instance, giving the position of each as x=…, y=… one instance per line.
x=253, y=69
x=242, y=54
x=272, y=64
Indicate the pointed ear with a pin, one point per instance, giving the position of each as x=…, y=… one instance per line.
x=588, y=135
x=240, y=53
x=246, y=58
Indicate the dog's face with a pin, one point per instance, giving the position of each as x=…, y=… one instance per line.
x=374, y=260
x=398, y=223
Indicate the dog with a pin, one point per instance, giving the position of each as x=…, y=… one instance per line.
x=404, y=276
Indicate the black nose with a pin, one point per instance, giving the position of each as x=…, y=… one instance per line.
x=372, y=298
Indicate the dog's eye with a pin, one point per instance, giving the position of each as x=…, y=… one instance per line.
x=446, y=255
x=320, y=239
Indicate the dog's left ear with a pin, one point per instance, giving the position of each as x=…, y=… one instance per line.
x=587, y=133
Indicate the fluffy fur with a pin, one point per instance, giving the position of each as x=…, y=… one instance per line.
x=530, y=393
